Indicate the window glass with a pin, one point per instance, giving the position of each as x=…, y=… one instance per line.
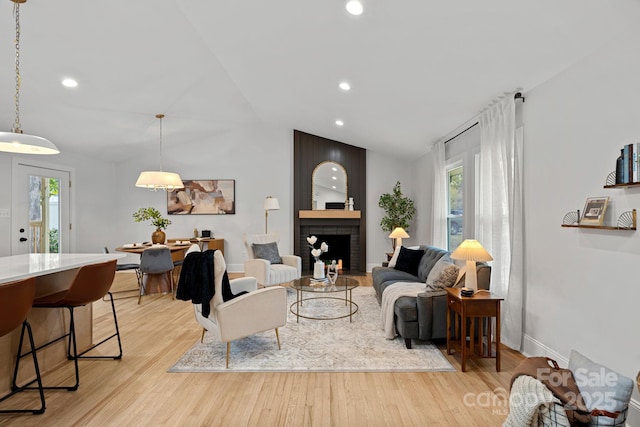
x=455, y=207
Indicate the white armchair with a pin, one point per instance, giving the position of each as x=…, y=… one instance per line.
x=264, y=271
x=257, y=311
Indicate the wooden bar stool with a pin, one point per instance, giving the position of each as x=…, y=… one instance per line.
x=16, y=299
x=90, y=284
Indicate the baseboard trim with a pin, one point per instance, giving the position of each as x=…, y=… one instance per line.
x=533, y=347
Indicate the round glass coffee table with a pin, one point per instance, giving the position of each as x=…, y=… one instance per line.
x=324, y=290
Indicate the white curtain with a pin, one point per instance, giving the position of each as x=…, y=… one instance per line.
x=500, y=225
x=439, y=198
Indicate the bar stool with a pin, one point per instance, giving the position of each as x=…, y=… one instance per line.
x=15, y=303
x=90, y=284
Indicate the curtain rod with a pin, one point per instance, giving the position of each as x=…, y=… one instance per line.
x=516, y=96
x=460, y=133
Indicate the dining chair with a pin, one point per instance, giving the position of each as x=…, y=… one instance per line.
x=125, y=267
x=16, y=299
x=155, y=260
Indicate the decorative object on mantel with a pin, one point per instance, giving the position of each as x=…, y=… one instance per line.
x=16, y=141
x=350, y=204
x=152, y=214
x=318, y=266
x=159, y=180
x=626, y=221
x=270, y=204
x=399, y=210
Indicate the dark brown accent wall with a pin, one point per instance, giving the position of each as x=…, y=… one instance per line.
x=310, y=150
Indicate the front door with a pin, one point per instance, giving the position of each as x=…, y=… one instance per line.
x=40, y=210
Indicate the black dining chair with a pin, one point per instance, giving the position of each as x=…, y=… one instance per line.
x=125, y=267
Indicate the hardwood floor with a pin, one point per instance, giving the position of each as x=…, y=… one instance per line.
x=138, y=390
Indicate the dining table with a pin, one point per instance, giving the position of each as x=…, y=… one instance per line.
x=157, y=283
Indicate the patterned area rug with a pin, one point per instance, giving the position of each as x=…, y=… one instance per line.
x=318, y=345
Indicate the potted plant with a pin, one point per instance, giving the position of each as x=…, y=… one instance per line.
x=399, y=210
x=153, y=214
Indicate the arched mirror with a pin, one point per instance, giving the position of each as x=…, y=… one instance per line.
x=328, y=186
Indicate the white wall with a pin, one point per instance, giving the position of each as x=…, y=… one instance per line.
x=382, y=174
x=583, y=286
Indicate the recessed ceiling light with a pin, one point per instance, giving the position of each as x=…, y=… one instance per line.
x=344, y=86
x=339, y=123
x=334, y=178
x=354, y=7
x=69, y=83
x=333, y=186
x=334, y=169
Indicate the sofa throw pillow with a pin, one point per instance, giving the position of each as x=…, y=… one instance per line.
x=443, y=274
x=268, y=251
x=394, y=258
x=601, y=388
x=409, y=260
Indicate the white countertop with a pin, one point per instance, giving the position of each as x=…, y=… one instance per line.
x=17, y=267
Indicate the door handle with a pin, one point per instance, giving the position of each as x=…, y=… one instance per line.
x=23, y=239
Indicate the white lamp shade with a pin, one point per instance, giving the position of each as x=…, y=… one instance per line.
x=471, y=250
x=399, y=232
x=12, y=142
x=159, y=180
x=271, y=204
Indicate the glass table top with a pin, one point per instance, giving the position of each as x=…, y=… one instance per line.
x=307, y=284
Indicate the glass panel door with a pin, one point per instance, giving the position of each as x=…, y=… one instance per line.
x=40, y=210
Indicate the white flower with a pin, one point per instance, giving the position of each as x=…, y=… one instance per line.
x=312, y=240
x=316, y=253
x=324, y=247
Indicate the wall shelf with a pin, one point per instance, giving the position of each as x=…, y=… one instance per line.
x=599, y=227
x=626, y=221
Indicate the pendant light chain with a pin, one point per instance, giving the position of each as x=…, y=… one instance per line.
x=160, y=116
x=16, y=124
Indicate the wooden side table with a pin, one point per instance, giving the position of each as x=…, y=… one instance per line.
x=483, y=305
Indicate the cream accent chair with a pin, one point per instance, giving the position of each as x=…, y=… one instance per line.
x=257, y=311
x=270, y=274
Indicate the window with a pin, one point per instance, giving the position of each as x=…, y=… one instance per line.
x=455, y=206
x=462, y=154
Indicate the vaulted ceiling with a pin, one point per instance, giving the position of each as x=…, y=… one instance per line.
x=418, y=68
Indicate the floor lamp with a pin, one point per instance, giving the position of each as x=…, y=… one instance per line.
x=270, y=204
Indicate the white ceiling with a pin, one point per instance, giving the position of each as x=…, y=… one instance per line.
x=418, y=68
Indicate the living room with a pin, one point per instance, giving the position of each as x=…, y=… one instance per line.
x=580, y=288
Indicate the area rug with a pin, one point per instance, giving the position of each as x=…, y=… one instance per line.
x=318, y=345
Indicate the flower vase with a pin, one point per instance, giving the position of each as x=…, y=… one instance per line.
x=318, y=270
x=158, y=236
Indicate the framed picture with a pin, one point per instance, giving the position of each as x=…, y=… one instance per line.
x=203, y=197
x=594, y=209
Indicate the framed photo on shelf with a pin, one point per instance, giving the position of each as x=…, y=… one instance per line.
x=594, y=209
x=203, y=197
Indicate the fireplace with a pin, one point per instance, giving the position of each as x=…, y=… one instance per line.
x=343, y=241
x=339, y=249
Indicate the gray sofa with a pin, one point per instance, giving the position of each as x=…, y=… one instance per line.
x=423, y=317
